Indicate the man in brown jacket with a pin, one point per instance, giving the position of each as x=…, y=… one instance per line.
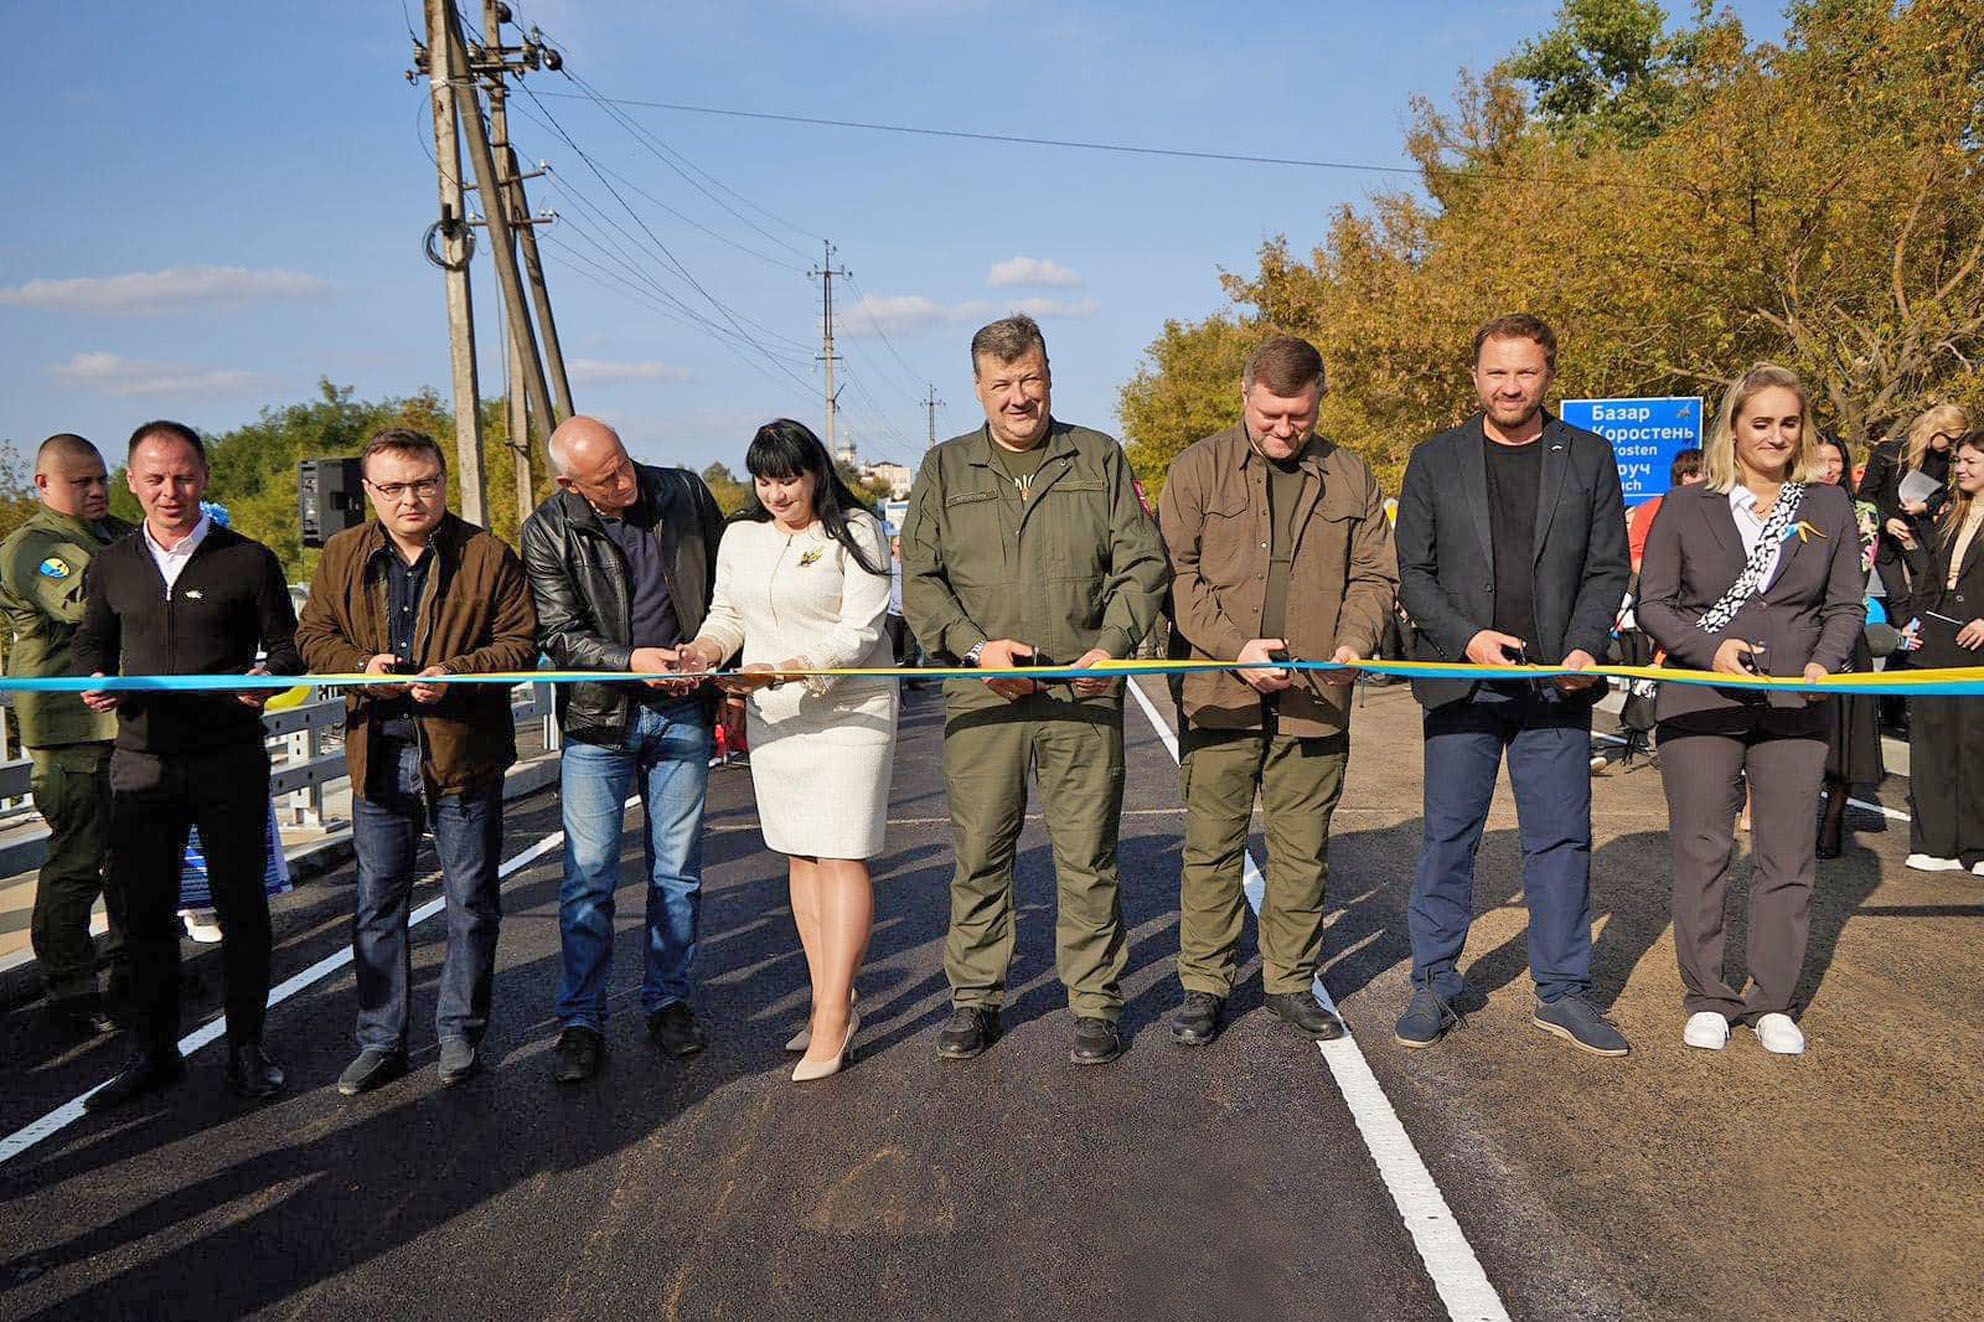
x=419, y=592
x=1279, y=549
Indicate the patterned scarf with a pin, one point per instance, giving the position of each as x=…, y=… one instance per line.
x=1776, y=528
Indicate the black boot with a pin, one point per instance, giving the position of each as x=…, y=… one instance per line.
x=143, y=1073
x=251, y=1073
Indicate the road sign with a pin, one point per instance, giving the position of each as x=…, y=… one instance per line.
x=1646, y=434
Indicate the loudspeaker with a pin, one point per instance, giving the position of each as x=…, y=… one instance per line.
x=330, y=497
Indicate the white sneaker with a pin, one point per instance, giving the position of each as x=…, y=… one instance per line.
x=1930, y=863
x=1706, y=1029
x=1780, y=1036
x=202, y=925
x=1978, y=871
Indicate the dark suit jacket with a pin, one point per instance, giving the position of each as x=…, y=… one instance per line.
x=1813, y=610
x=1446, y=556
x=1929, y=562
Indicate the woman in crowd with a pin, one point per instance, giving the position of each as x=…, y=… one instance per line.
x=1946, y=735
x=1924, y=448
x=802, y=583
x=1853, y=746
x=1754, y=571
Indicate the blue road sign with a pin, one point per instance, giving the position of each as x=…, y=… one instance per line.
x=1646, y=434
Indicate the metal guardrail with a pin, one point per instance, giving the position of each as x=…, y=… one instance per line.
x=305, y=745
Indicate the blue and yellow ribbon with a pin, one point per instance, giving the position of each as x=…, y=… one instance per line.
x=1963, y=682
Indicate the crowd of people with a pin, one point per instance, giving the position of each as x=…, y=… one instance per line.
x=1026, y=544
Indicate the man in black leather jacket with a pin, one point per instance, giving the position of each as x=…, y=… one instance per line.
x=622, y=559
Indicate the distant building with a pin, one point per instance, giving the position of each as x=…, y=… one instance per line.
x=898, y=476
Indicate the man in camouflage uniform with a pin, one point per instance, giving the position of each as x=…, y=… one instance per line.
x=41, y=594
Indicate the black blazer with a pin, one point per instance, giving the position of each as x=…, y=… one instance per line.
x=1446, y=556
x=1929, y=562
x=1813, y=610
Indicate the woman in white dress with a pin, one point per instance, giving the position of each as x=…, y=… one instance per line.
x=802, y=583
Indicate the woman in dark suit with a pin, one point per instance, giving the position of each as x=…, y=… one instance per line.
x=1946, y=735
x=1853, y=746
x=1757, y=570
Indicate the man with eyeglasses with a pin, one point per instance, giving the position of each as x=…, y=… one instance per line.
x=422, y=593
x=622, y=561
x=42, y=564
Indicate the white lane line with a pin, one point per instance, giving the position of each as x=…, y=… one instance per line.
x=71, y=1111
x=1893, y=814
x=1450, y=1260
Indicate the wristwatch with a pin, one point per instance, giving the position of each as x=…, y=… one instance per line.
x=971, y=657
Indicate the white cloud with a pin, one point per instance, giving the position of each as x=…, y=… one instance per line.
x=895, y=314
x=892, y=312
x=1031, y=271
x=148, y=293
x=108, y=374
x=595, y=371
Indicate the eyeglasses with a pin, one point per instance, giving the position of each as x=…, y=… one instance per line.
x=426, y=488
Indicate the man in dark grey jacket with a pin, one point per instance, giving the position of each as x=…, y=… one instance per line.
x=1511, y=548
x=622, y=560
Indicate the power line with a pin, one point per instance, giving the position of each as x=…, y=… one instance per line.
x=1186, y=153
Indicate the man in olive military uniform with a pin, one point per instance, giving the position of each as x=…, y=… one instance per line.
x=1025, y=543
x=1279, y=546
x=41, y=594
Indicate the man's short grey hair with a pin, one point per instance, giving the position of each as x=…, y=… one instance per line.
x=1007, y=340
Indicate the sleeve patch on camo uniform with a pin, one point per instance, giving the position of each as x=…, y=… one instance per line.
x=56, y=568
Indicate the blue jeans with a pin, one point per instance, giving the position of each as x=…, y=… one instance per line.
x=667, y=756
x=386, y=825
x=1549, y=750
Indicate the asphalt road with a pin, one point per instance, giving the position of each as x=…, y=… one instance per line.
x=1231, y=1180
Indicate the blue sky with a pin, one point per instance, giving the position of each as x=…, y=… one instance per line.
x=215, y=204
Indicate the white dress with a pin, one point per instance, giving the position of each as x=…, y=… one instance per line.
x=822, y=752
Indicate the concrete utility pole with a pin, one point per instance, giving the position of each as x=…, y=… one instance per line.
x=495, y=214
x=456, y=246
x=826, y=272
x=525, y=432
x=930, y=406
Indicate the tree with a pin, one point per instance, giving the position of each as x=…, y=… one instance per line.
x=1611, y=68
x=1819, y=205
x=18, y=500
x=730, y=493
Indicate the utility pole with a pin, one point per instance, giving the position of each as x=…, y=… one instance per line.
x=456, y=247
x=495, y=214
x=523, y=436
x=930, y=406
x=826, y=272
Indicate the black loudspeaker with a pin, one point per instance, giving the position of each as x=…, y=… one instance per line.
x=330, y=497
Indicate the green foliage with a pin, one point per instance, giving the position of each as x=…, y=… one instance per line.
x=254, y=467
x=1611, y=68
x=17, y=495
x=730, y=493
x=1819, y=205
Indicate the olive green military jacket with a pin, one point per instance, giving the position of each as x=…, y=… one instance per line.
x=1079, y=565
x=41, y=597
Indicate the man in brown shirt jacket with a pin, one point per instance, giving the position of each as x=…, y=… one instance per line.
x=1279, y=548
x=419, y=592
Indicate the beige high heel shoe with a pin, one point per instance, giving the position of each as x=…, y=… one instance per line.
x=807, y=1070
x=802, y=1039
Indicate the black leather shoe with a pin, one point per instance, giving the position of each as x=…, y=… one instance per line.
x=1097, y=1042
x=78, y=1018
x=1307, y=1013
x=971, y=1029
x=674, y=1029
x=143, y=1073
x=1196, y=1022
x=577, y=1056
x=251, y=1073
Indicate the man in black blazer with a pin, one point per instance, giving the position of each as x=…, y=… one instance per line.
x=1511, y=547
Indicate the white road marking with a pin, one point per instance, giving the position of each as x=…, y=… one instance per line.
x=1450, y=1260
x=71, y=1111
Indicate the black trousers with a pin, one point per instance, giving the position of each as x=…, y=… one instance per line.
x=155, y=799
x=1946, y=775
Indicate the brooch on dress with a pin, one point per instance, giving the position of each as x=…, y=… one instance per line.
x=1804, y=532
x=812, y=556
